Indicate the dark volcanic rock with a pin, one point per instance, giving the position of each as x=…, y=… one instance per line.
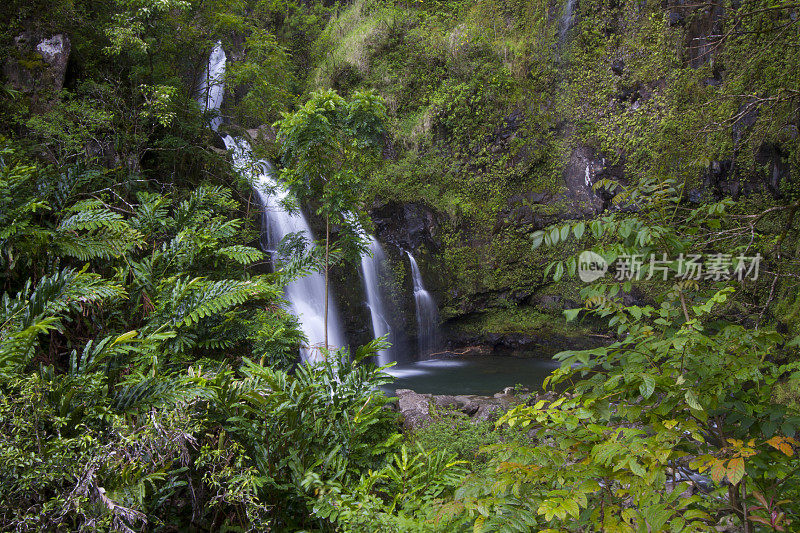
x=405, y=226
x=415, y=408
x=543, y=344
x=38, y=65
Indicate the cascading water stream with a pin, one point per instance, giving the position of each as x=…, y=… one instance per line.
x=427, y=313
x=212, y=86
x=567, y=21
x=372, y=266
x=306, y=296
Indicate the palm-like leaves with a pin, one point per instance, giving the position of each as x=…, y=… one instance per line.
x=94, y=231
x=189, y=301
x=42, y=307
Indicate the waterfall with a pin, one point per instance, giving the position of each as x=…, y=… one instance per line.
x=305, y=296
x=373, y=266
x=427, y=314
x=212, y=86
x=567, y=21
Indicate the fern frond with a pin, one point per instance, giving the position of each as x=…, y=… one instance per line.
x=91, y=204
x=86, y=247
x=95, y=353
x=37, y=310
x=140, y=392
x=16, y=347
x=54, y=295
x=151, y=213
x=244, y=255
x=189, y=301
x=106, y=235
x=192, y=208
x=218, y=297
x=92, y=219
x=220, y=229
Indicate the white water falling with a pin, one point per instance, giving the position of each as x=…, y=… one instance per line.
x=306, y=296
x=567, y=21
x=212, y=86
x=372, y=265
x=427, y=314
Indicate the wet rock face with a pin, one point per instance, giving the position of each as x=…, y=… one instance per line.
x=579, y=200
x=405, y=226
x=38, y=64
x=703, y=24
x=726, y=178
x=581, y=173
x=535, y=210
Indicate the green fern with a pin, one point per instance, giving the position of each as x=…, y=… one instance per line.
x=244, y=255
x=91, y=216
x=219, y=296
x=86, y=247
x=193, y=210
x=140, y=392
x=95, y=353
x=103, y=233
x=42, y=307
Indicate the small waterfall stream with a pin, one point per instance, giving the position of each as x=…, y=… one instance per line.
x=427, y=313
x=212, y=86
x=567, y=21
x=373, y=266
x=306, y=296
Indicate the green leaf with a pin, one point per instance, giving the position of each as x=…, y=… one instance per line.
x=735, y=471
x=625, y=229
x=637, y=468
x=691, y=399
x=643, y=237
x=559, y=273
x=554, y=236
x=597, y=229
x=648, y=385
x=579, y=229
x=536, y=238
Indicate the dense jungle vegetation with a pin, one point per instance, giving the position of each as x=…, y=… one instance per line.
x=149, y=374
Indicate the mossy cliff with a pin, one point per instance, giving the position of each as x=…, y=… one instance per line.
x=505, y=116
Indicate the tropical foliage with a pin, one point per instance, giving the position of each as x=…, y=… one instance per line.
x=149, y=375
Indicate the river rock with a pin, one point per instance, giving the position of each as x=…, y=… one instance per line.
x=418, y=410
x=415, y=408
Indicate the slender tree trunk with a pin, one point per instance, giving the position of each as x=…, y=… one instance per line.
x=327, y=247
